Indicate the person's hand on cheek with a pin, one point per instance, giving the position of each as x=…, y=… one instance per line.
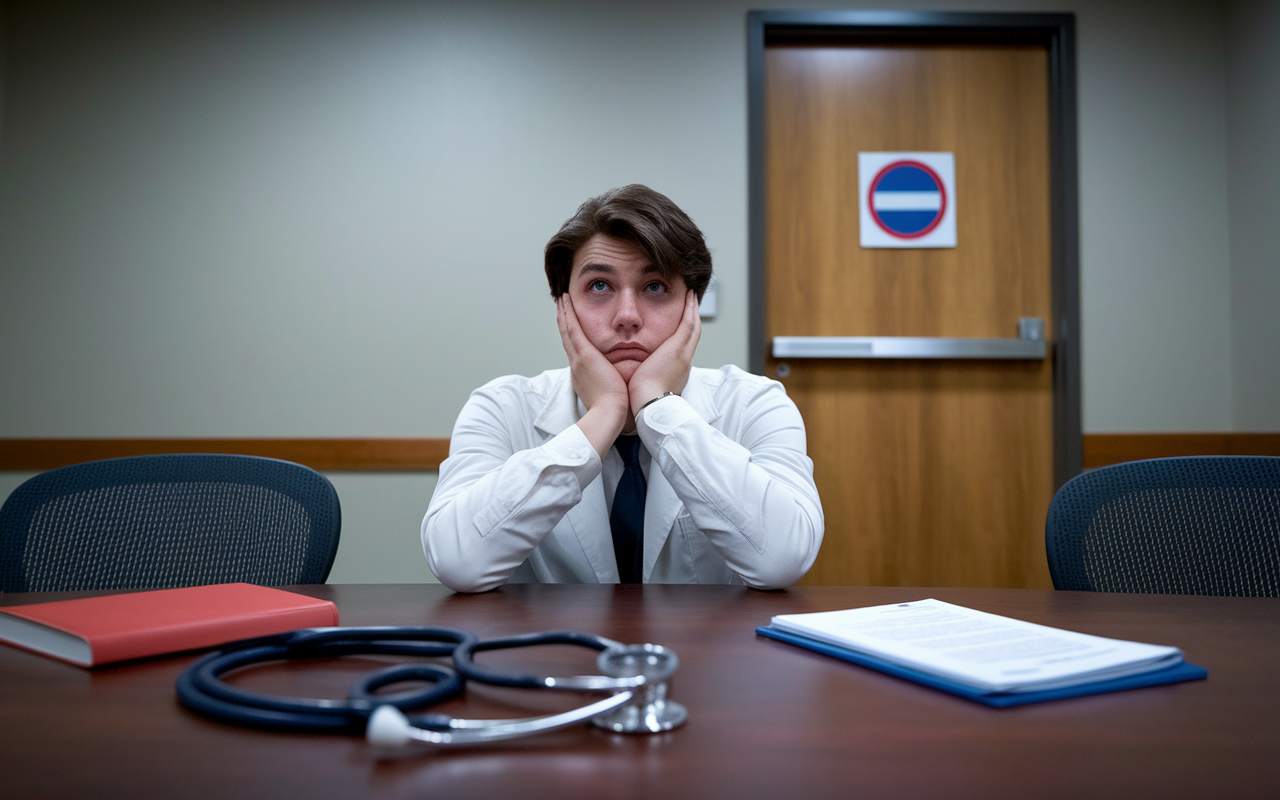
x=596, y=382
x=667, y=368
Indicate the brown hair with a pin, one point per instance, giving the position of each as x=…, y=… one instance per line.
x=638, y=214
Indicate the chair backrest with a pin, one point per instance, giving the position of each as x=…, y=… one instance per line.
x=150, y=522
x=1199, y=525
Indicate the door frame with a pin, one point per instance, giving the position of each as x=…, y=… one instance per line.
x=1057, y=32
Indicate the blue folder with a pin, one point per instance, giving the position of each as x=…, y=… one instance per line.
x=1175, y=674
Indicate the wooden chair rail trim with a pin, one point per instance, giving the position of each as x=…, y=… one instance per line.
x=1100, y=449
x=320, y=454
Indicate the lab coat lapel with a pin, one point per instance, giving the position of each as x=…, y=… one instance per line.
x=559, y=410
x=590, y=517
x=699, y=395
x=661, y=505
x=590, y=521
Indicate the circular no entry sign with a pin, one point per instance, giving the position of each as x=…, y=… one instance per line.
x=907, y=199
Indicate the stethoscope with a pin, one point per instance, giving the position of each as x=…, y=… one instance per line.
x=636, y=675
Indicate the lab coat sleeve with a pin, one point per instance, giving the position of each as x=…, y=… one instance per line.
x=754, y=498
x=493, y=505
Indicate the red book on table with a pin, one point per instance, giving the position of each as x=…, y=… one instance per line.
x=91, y=631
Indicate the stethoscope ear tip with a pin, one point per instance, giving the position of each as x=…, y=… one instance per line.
x=389, y=728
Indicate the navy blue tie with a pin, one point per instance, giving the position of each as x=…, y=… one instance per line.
x=626, y=520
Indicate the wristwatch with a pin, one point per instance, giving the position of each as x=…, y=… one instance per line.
x=656, y=399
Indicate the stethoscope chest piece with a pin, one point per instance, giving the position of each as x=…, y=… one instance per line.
x=648, y=710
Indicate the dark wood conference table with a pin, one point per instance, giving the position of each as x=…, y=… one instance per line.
x=765, y=719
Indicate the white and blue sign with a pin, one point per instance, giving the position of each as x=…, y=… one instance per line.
x=907, y=199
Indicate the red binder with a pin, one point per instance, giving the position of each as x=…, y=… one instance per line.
x=91, y=631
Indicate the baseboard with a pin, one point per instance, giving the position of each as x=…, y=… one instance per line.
x=28, y=455
x=1101, y=449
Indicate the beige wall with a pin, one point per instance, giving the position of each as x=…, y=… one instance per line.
x=326, y=218
x=1254, y=157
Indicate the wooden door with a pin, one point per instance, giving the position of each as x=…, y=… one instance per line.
x=931, y=472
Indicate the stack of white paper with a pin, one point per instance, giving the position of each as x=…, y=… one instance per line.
x=984, y=651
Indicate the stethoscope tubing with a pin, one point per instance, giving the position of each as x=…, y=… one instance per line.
x=202, y=689
x=464, y=662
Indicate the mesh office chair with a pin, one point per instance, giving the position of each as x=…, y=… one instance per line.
x=1198, y=525
x=151, y=522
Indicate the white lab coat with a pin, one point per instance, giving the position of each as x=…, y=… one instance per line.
x=730, y=497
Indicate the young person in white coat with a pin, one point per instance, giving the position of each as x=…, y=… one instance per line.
x=631, y=465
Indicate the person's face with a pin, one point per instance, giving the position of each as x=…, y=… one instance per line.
x=625, y=307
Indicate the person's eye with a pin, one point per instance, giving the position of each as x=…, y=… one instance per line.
x=655, y=287
x=597, y=286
